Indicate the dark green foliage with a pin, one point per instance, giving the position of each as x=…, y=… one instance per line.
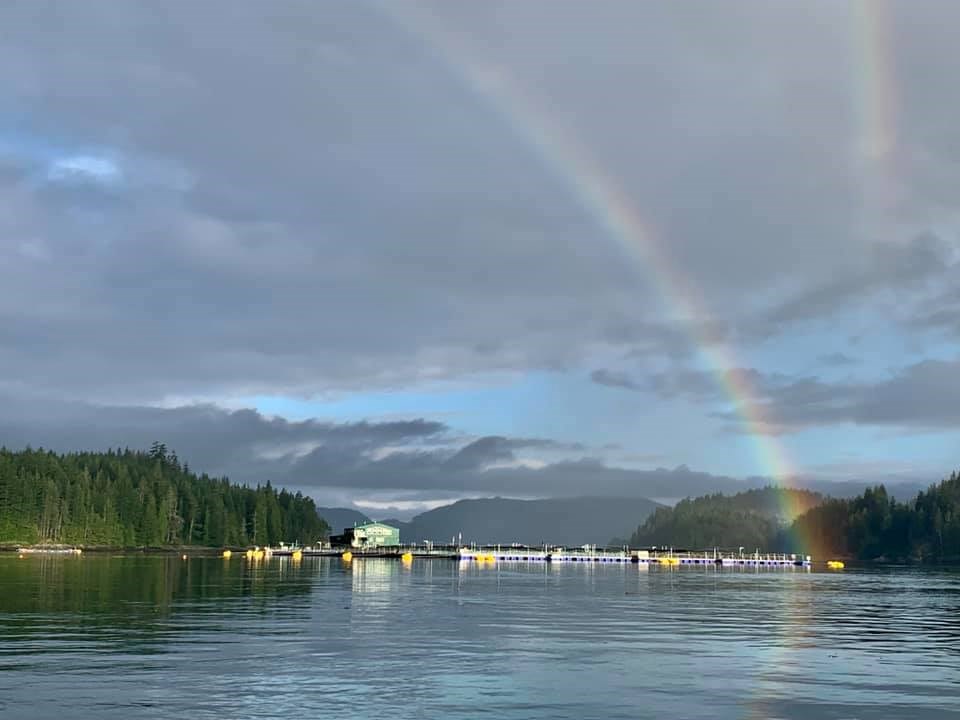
x=875, y=526
x=129, y=499
x=750, y=519
x=871, y=526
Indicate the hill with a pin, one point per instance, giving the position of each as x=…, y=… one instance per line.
x=563, y=521
x=751, y=519
x=340, y=518
x=136, y=499
x=874, y=526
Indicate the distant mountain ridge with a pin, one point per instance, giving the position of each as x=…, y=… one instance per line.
x=562, y=521
x=340, y=518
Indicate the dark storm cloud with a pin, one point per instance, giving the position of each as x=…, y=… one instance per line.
x=309, y=197
x=491, y=449
x=241, y=443
x=407, y=458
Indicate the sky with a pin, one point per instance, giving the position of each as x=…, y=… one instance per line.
x=397, y=253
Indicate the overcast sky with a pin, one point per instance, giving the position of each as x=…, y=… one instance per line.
x=397, y=252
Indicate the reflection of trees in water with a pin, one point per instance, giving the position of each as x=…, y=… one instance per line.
x=138, y=600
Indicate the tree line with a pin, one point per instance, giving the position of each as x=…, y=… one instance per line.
x=871, y=526
x=127, y=498
x=750, y=519
x=875, y=526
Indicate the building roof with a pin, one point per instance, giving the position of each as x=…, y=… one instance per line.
x=375, y=524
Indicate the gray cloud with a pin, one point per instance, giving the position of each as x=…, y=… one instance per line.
x=892, y=268
x=404, y=459
x=612, y=378
x=220, y=201
x=942, y=313
x=925, y=394
x=241, y=443
x=287, y=218
x=491, y=449
x=922, y=395
x=680, y=382
x=836, y=359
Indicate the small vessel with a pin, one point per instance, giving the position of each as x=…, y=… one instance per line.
x=49, y=550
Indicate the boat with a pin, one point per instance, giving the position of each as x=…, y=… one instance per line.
x=49, y=550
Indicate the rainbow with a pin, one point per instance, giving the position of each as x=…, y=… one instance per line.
x=602, y=196
x=874, y=105
x=874, y=79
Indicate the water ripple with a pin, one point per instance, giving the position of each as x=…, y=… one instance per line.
x=213, y=639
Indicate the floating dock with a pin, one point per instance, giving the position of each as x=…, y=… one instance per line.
x=667, y=558
x=525, y=554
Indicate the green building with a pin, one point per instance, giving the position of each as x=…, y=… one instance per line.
x=368, y=535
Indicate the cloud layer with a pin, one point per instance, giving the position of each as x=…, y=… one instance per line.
x=261, y=202
x=218, y=202
x=921, y=395
x=411, y=463
x=416, y=458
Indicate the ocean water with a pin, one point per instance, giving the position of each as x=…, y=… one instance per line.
x=133, y=636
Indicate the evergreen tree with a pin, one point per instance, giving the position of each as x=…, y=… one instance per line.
x=871, y=526
x=127, y=498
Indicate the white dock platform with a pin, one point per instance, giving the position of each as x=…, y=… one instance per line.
x=670, y=559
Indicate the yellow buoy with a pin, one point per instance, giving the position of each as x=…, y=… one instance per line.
x=227, y=553
x=297, y=554
x=407, y=557
x=347, y=556
x=835, y=564
x=249, y=554
x=20, y=556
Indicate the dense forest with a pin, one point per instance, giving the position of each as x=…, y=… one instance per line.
x=875, y=526
x=127, y=498
x=752, y=519
x=871, y=526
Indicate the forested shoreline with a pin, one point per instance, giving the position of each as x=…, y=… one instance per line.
x=873, y=526
x=136, y=499
x=131, y=499
x=751, y=519
x=876, y=526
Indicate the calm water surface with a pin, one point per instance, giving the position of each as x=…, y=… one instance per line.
x=156, y=637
